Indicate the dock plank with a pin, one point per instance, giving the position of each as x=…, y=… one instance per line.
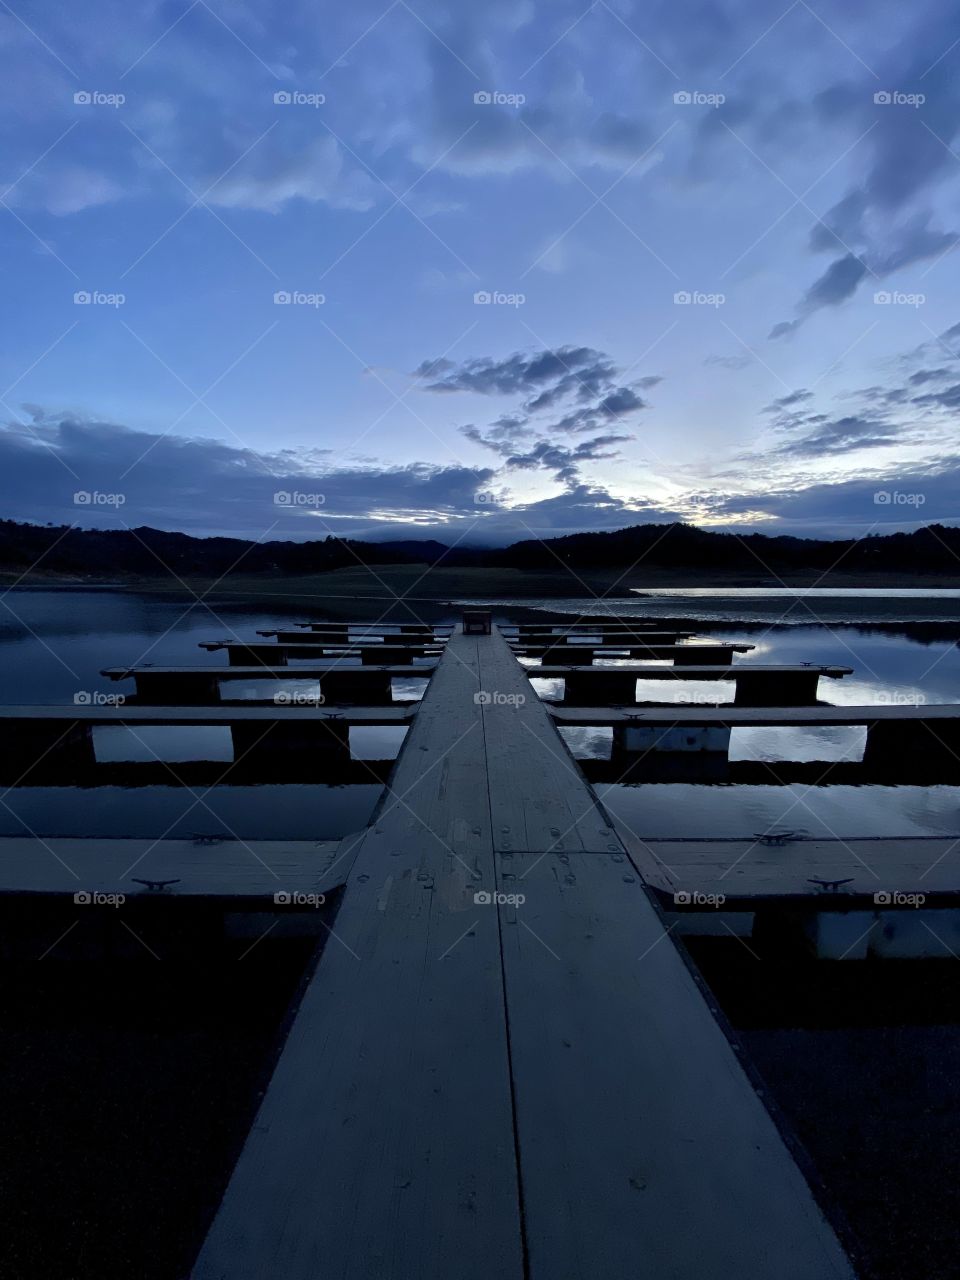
x=384, y=1146
x=748, y=717
x=228, y=868
x=128, y=713
x=644, y=1148
x=537, y=795
x=747, y=868
x=684, y=672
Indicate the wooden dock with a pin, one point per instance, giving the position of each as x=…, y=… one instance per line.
x=756, y=684
x=338, y=681
x=502, y=1066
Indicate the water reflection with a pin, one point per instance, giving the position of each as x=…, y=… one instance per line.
x=902, y=647
x=655, y=810
x=53, y=645
x=268, y=812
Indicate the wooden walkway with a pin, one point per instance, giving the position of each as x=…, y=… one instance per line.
x=228, y=868
x=839, y=872
x=531, y=1089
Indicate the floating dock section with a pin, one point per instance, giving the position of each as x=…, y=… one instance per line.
x=502, y=1065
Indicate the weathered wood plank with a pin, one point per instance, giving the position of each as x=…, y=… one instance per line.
x=749, y=868
x=306, y=671
x=226, y=868
x=739, y=717
x=556, y=670
x=384, y=1146
x=138, y=715
x=644, y=1149
x=538, y=797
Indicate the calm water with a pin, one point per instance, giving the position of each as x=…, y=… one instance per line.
x=53, y=646
x=786, y=606
x=901, y=644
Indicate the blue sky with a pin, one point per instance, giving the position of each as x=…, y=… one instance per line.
x=549, y=266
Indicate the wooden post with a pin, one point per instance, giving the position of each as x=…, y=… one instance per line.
x=302, y=738
x=50, y=747
x=776, y=689
x=933, y=741
x=180, y=689
x=256, y=655
x=382, y=655
x=371, y=688
x=605, y=688
x=701, y=655
x=687, y=739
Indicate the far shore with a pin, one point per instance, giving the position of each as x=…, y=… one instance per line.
x=438, y=583
x=396, y=593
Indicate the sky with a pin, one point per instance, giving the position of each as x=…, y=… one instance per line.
x=480, y=272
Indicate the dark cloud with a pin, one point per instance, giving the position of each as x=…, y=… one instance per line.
x=584, y=378
x=208, y=486
x=884, y=221
x=948, y=398
x=566, y=369
x=840, y=435
x=837, y=283
x=788, y=401
x=730, y=362
x=564, y=462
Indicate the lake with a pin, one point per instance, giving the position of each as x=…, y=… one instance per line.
x=901, y=644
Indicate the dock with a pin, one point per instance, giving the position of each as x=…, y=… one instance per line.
x=507, y=1068
x=756, y=684
x=502, y=1063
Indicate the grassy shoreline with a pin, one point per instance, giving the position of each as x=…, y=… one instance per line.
x=424, y=584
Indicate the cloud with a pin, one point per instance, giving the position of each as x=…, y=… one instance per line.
x=208, y=486
x=837, y=283
x=585, y=379
x=884, y=220
x=563, y=461
x=841, y=435
x=271, y=176
x=549, y=373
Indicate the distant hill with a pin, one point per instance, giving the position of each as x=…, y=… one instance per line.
x=933, y=550
x=126, y=554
